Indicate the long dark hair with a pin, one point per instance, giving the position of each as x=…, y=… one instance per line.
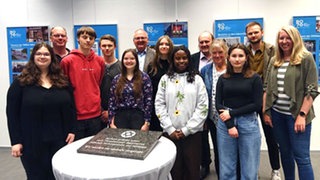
x=190, y=70
x=156, y=61
x=246, y=70
x=31, y=73
x=137, y=77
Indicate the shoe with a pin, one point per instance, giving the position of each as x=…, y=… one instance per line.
x=204, y=171
x=275, y=175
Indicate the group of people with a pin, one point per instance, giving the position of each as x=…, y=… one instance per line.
x=64, y=95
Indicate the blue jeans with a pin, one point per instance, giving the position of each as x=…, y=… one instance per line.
x=247, y=145
x=294, y=147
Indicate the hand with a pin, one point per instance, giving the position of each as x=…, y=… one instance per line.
x=70, y=138
x=267, y=120
x=145, y=127
x=233, y=132
x=176, y=135
x=300, y=124
x=104, y=116
x=113, y=126
x=16, y=150
x=224, y=114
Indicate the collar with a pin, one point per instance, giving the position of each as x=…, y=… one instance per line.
x=203, y=57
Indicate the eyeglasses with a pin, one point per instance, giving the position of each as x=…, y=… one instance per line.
x=39, y=54
x=140, y=38
x=59, y=35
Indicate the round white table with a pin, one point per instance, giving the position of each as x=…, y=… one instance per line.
x=68, y=164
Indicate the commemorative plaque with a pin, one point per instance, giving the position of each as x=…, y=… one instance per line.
x=125, y=143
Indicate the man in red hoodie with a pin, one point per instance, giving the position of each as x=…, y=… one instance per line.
x=85, y=70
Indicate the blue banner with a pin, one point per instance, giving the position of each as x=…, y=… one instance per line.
x=20, y=44
x=100, y=31
x=233, y=30
x=309, y=28
x=177, y=31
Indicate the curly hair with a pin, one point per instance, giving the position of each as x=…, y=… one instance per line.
x=172, y=69
x=31, y=73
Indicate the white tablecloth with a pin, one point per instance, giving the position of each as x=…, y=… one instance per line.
x=69, y=164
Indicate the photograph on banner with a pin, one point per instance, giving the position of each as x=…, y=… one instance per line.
x=177, y=31
x=309, y=28
x=20, y=44
x=233, y=30
x=100, y=30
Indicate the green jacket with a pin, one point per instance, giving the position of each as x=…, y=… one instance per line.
x=300, y=80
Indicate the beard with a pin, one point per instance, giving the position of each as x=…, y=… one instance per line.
x=257, y=41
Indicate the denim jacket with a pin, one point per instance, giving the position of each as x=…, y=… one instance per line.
x=300, y=80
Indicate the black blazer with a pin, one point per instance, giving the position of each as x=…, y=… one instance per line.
x=195, y=60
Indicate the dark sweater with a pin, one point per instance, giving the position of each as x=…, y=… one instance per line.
x=242, y=95
x=37, y=114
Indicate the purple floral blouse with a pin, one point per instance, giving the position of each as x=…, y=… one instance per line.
x=144, y=103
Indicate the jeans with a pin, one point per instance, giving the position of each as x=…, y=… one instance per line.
x=247, y=146
x=294, y=147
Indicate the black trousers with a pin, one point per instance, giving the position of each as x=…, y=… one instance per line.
x=273, y=148
x=188, y=159
x=129, y=119
x=88, y=127
x=38, y=166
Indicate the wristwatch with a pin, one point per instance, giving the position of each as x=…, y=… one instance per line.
x=302, y=114
x=148, y=123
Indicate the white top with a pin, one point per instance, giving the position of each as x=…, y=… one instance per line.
x=181, y=105
x=68, y=164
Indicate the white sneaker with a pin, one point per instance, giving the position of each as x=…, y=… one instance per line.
x=275, y=175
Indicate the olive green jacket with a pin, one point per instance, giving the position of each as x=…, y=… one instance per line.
x=300, y=81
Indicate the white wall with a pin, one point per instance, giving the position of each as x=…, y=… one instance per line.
x=130, y=15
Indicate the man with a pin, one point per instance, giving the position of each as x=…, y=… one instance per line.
x=59, y=39
x=260, y=55
x=203, y=57
x=199, y=60
x=145, y=54
x=108, y=44
x=85, y=70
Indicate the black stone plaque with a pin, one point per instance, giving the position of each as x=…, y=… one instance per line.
x=125, y=143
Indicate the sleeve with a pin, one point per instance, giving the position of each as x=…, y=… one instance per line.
x=256, y=103
x=64, y=66
x=161, y=106
x=70, y=112
x=112, y=100
x=14, y=98
x=219, y=95
x=147, y=97
x=195, y=123
x=219, y=102
x=311, y=77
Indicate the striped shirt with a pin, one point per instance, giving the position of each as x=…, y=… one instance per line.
x=282, y=104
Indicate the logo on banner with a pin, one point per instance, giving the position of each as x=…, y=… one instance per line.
x=151, y=30
x=14, y=34
x=301, y=24
x=223, y=27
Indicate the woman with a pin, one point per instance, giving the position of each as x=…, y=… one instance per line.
x=130, y=101
x=182, y=106
x=291, y=88
x=41, y=113
x=156, y=69
x=210, y=74
x=238, y=99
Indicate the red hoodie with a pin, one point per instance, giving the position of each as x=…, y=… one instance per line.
x=85, y=75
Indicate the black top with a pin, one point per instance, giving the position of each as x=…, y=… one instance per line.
x=155, y=79
x=110, y=72
x=36, y=114
x=242, y=95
